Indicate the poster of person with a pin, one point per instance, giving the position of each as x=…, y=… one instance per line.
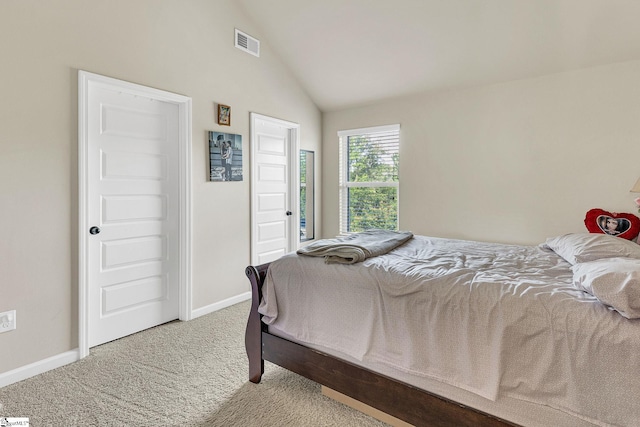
x=225, y=156
x=613, y=226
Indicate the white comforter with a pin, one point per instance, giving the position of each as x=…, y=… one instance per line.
x=490, y=319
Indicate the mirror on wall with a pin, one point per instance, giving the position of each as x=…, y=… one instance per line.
x=306, y=195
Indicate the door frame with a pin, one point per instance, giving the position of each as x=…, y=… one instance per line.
x=294, y=180
x=85, y=80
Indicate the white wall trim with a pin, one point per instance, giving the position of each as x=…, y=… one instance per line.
x=220, y=305
x=36, y=368
x=85, y=79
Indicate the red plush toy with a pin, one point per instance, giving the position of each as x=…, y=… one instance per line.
x=623, y=225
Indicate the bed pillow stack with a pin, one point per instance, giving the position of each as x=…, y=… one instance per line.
x=604, y=266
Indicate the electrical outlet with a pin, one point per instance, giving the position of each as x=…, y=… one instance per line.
x=7, y=321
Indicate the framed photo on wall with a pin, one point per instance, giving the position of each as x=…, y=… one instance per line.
x=224, y=115
x=225, y=157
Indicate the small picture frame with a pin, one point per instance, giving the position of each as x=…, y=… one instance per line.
x=224, y=115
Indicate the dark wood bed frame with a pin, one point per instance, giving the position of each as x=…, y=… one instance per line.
x=403, y=401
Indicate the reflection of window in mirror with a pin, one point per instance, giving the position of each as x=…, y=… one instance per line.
x=306, y=195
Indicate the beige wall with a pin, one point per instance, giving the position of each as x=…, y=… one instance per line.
x=513, y=162
x=181, y=46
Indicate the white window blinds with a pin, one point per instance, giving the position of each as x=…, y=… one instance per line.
x=369, y=178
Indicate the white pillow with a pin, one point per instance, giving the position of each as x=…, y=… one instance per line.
x=614, y=281
x=585, y=247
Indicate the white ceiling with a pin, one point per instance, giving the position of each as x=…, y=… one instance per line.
x=351, y=52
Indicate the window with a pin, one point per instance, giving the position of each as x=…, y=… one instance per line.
x=369, y=178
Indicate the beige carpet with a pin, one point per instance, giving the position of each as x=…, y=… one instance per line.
x=178, y=374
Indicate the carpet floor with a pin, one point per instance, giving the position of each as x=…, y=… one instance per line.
x=177, y=374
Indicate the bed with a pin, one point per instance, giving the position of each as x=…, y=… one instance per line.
x=442, y=332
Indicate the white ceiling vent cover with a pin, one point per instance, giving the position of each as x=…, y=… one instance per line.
x=247, y=43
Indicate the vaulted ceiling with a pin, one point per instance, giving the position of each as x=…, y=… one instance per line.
x=352, y=52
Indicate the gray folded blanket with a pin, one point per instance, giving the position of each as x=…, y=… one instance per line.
x=356, y=247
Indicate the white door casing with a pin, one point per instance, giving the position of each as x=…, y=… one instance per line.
x=274, y=184
x=134, y=185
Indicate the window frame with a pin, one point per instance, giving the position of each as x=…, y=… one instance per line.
x=345, y=185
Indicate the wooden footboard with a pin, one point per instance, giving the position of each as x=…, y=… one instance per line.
x=403, y=401
x=253, y=334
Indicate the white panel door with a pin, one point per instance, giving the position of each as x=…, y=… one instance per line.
x=272, y=182
x=133, y=192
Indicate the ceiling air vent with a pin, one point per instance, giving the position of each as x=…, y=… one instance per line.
x=247, y=43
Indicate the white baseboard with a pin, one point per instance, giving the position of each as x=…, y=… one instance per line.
x=28, y=371
x=220, y=305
